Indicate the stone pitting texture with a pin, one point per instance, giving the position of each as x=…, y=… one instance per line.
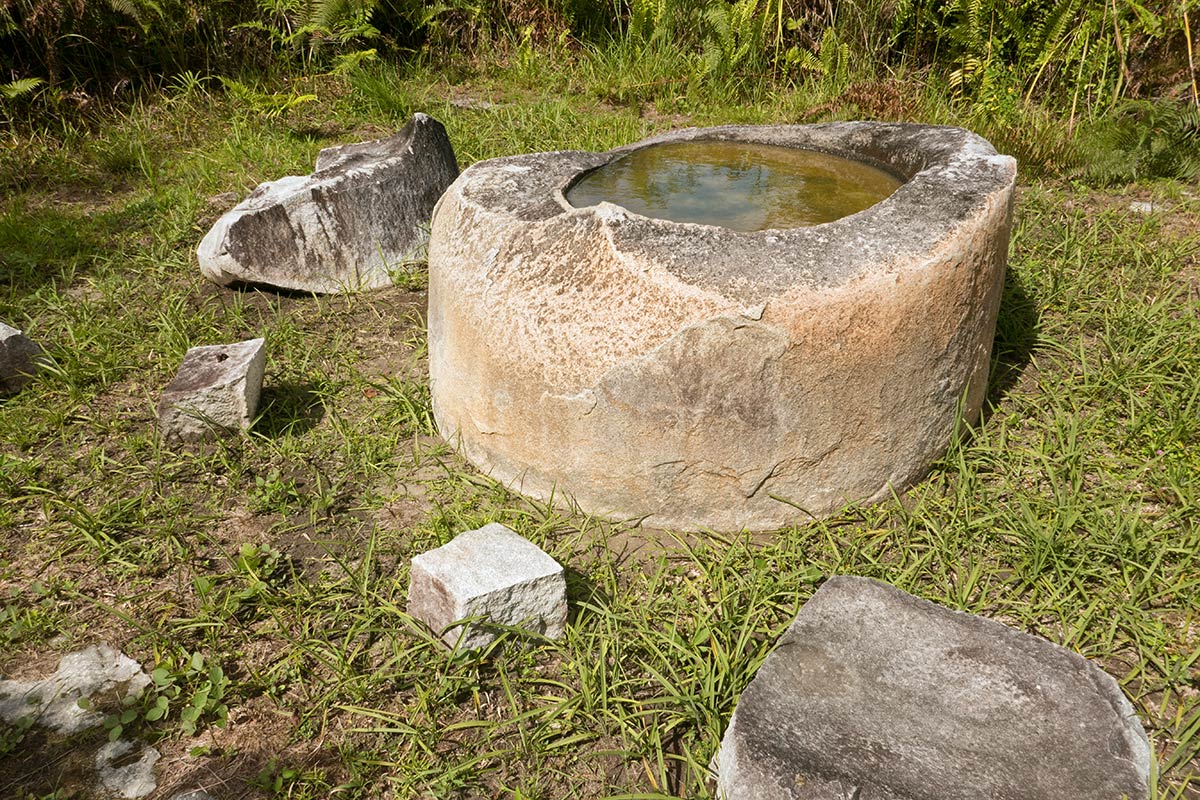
x=700, y=377
x=491, y=573
x=216, y=391
x=362, y=211
x=874, y=694
x=19, y=356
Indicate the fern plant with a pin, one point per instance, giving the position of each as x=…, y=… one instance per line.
x=734, y=38
x=1145, y=140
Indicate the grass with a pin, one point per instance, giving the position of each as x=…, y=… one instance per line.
x=265, y=578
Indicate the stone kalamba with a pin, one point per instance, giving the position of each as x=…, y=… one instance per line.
x=698, y=376
x=341, y=228
x=874, y=694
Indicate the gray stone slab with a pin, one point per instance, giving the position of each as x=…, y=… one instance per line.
x=216, y=391
x=365, y=209
x=490, y=573
x=123, y=778
x=873, y=694
x=54, y=701
x=19, y=357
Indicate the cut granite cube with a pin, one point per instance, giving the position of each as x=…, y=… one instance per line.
x=216, y=391
x=493, y=574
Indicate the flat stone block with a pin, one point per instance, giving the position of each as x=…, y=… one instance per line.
x=874, y=694
x=216, y=391
x=490, y=573
x=18, y=359
x=339, y=229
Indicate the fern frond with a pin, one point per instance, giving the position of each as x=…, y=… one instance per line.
x=15, y=89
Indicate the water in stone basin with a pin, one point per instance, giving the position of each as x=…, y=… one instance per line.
x=746, y=187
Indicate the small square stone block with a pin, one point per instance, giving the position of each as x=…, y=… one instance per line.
x=490, y=573
x=216, y=391
x=19, y=356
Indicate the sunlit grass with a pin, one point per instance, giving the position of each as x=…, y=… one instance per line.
x=1071, y=512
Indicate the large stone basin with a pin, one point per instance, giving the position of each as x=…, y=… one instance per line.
x=700, y=377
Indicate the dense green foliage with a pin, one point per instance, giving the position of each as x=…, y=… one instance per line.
x=995, y=51
x=1055, y=81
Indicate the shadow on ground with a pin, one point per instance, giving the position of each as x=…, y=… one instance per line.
x=1017, y=329
x=290, y=407
x=42, y=245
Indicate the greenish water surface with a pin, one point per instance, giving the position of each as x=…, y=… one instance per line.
x=746, y=187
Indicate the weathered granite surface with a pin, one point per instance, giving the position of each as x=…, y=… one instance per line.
x=363, y=210
x=18, y=359
x=873, y=694
x=125, y=778
x=696, y=376
x=216, y=391
x=54, y=700
x=491, y=573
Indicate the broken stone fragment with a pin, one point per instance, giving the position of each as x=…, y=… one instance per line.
x=875, y=694
x=365, y=209
x=216, y=391
x=53, y=702
x=491, y=574
x=19, y=356
x=126, y=780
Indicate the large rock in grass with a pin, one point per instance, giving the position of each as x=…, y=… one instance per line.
x=365, y=210
x=873, y=694
x=19, y=357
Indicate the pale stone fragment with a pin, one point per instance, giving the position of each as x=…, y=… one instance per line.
x=53, y=702
x=493, y=574
x=364, y=210
x=215, y=391
x=874, y=694
x=129, y=781
x=19, y=356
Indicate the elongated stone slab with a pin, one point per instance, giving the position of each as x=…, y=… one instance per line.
x=493, y=574
x=873, y=694
x=363, y=210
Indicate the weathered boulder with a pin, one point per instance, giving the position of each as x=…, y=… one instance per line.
x=363, y=211
x=493, y=574
x=874, y=694
x=19, y=356
x=696, y=376
x=216, y=391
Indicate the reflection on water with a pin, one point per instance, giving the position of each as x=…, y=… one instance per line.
x=747, y=187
